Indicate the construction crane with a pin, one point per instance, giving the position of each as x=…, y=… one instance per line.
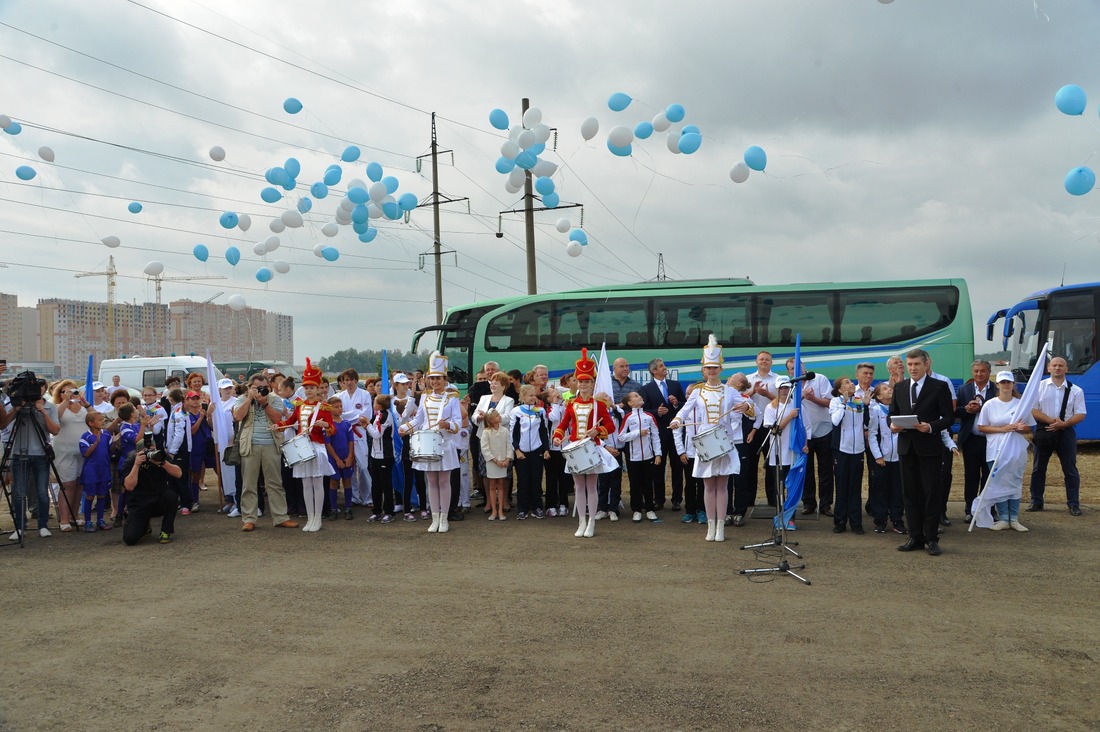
x=161, y=328
x=109, y=273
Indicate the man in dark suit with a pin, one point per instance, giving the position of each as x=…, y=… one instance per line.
x=663, y=398
x=921, y=449
x=972, y=395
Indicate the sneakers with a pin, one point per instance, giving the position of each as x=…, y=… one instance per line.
x=791, y=526
x=226, y=508
x=385, y=519
x=521, y=516
x=651, y=515
x=1000, y=526
x=968, y=517
x=738, y=520
x=103, y=526
x=398, y=508
x=601, y=515
x=899, y=528
x=410, y=517
x=185, y=511
x=374, y=518
x=196, y=507
x=116, y=522
x=348, y=515
x=89, y=528
x=838, y=529
x=1014, y=524
x=675, y=505
x=44, y=532
x=880, y=528
x=492, y=517
x=858, y=530
x=563, y=510
x=425, y=515
x=701, y=517
x=636, y=518
x=165, y=537
x=687, y=518
x=551, y=512
x=235, y=513
x=540, y=514
x=613, y=515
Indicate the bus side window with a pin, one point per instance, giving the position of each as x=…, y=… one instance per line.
x=154, y=377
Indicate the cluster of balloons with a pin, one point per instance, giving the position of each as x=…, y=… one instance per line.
x=620, y=138
x=578, y=239
x=754, y=158
x=1071, y=100
x=520, y=154
x=10, y=126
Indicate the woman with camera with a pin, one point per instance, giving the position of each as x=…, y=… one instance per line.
x=66, y=447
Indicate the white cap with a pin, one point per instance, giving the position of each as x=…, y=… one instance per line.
x=400, y=379
x=225, y=383
x=97, y=385
x=1005, y=376
x=781, y=382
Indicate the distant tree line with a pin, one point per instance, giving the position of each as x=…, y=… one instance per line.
x=370, y=362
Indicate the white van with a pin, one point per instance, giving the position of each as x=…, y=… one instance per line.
x=138, y=372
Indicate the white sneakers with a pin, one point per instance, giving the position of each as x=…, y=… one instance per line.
x=651, y=515
x=44, y=532
x=637, y=517
x=601, y=515
x=1000, y=525
x=235, y=513
x=1014, y=524
x=613, y=516
x=551, y=512
x=14, y=536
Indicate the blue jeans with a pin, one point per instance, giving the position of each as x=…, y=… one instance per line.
x=1065, y=446
x=27, y=468
x=1008, y=509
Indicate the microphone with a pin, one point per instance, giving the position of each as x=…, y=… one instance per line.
x=804, y=377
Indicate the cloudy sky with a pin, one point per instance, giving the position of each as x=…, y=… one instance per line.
x=911, y=139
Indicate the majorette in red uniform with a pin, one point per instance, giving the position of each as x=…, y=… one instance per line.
x=312, y=417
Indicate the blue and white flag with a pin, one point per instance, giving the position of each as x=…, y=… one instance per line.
x=796, y=477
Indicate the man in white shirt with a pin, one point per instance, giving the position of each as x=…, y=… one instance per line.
x=816, y=394
x=1059, y=408
x=359, y=408
x=762, y=383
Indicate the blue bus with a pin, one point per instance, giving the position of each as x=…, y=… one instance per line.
x=1065, y=316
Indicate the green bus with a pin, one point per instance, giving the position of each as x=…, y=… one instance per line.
x=840, y=323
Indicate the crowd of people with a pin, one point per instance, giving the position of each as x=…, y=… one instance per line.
x=416, y=450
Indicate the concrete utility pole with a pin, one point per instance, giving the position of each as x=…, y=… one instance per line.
x=529, y=216
x=437, y=250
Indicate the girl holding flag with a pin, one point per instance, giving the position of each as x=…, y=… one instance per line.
x=995, y=422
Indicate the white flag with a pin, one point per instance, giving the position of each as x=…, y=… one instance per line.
x=603, y=375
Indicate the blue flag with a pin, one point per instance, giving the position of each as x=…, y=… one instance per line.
x=796, y=478
x=89, y=379
x=398, y=444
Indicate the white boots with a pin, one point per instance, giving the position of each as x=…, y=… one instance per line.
x=719, y=530
x=712, y=529
x=444, y=527
x=591, y=530
x=434, y=528
x=583, y=525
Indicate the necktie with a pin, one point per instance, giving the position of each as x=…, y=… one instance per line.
x=914, y=401
x=664, y=391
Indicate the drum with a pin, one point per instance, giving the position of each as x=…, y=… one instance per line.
x=583, y=456
x=297, y=449
x=426, y=445
x=712, y=443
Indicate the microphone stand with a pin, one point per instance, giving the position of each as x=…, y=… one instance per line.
x=779, y=527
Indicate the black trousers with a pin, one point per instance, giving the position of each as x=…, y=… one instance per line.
x=743, y=494
x=557, y=482
x=885, y=497
x=753, y=473
x=142, y=509
x=642, y=488
x=693, y=488
x=182, y=485
x=668, y=448
x=975, y=468
x=819, y=492
x=381, y=486
x=529, y=481
x=920, y=475
x=849, y=487
x=945, y=479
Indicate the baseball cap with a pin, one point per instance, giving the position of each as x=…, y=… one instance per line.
x=1005, y=376
x=194, y=395
x=781, y=382
x=400, y=379
x=97, y=385
x=225, y=383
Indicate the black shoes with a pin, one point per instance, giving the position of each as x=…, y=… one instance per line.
x=1034, y=507
x=944, y=521
x=809, y=510
x=912, y=545
x=675, y=505
x=826, y=510
x=1073, y=510
x=839, y=529
x=934, y=548
x=858, y=530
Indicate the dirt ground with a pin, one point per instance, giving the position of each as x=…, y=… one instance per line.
x=503, y=626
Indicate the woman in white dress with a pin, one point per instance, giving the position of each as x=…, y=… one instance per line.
x=66, y=448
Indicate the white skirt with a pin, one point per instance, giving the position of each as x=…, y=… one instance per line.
x=319, y=466
x=728, y=464
x=449, y=461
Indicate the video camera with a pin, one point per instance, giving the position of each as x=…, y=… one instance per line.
x=24, y=388
x=152, y=454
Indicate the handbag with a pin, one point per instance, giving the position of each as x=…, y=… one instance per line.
x=1046, y=438
x=232, y=454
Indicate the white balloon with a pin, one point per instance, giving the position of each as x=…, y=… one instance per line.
x=5, y=121
x=259, y=249
x=318, y=250
x=46, y=153
x=330, y=229
x=513, y=189
x=544, y=169
x=374, y=211
x=154, y=268
x=244, y=222
x=357, y=183
x=526, y=139
x=660, y=122
x=739, y=173
x=377, y=191
x=672, y=142
x=111, y=241
x=573, y=249
x=532, y=117
x=517, y=177
x=217, y=153
x=292, y=218
x=513, y=132
x=343, y=217
x=271, y=243
x=620, y=136
x=563, y=225
x=542, y=133
x=277, y=225
x=236, y=303
x=281, y=267
x=509, y=149
x=589, y=128
x=346, y=205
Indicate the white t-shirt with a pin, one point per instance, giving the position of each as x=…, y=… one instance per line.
x=997, y=413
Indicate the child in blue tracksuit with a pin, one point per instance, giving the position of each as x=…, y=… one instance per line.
x=95, y=476
x=341, y=456
x=129, y=433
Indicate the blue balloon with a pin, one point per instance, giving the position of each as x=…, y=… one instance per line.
x=228, y=220
x=269, y=175
x=498, y=118
x=407, y=201
x=526, y=160
x=25, y=172
x=289, y=184
x=756, y=158
x=358, y=194
x=689, y=129
x=360, y=214
x=544, y=185
x=391, y=210
x=318, y=190
x=134, y=207
x=619, y=101
x=504, y=165
x=538, y=148
x=305, y=204
x=233, y=255
x=578, y=236
x=690, y=142
x=1080, y=181
x=330, y=254
x=277, y=176
x=551, y=200
x=674, y=112
x=201, y=252
x=292, y=167
x=14, y=128
x=368, y=236
x=391, y=183
x=270, y=195
x=350, y=155
x=332, y=175
x=360, y=228
x=622, y=152
x=374, y=172
x=263, y=274
x=290, y=106
x=643, y=130
x=1070, y=99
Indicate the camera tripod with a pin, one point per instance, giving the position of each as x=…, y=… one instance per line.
x=21, y=420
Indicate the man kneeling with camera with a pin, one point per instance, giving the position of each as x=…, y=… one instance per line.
x=150, y=494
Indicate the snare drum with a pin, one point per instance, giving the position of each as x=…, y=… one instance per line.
x=712, y=443
x=297, y=449
x=426, y=446
x=583, y=456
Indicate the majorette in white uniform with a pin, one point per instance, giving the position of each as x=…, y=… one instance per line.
x=708, y=406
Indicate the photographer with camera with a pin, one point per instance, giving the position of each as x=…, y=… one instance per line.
x=149, y=494
x=257, y=410
x=33, y=419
